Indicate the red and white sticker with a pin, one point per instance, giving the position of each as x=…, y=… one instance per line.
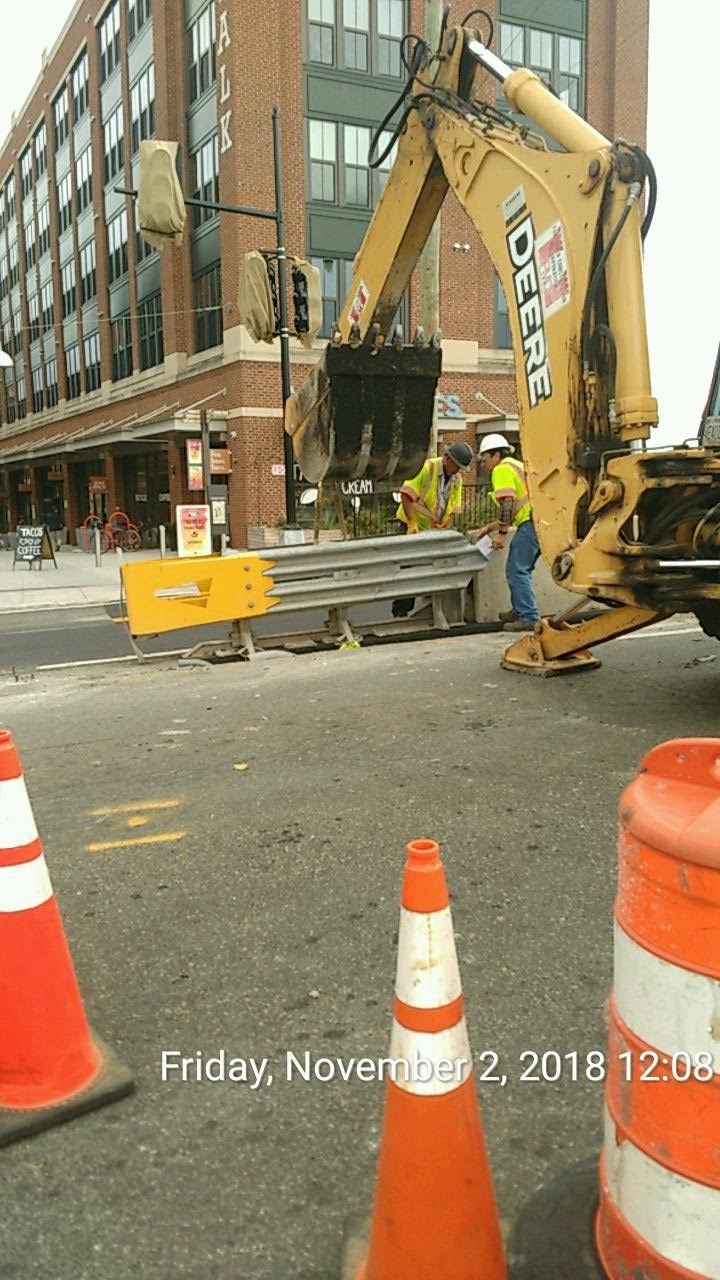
x=360, y=301
x=553, y=268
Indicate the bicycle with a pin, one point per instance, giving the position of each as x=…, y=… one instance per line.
x=118, y=532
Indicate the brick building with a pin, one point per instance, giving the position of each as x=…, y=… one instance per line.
x=116, y=347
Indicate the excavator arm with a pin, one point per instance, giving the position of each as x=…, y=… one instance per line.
x=617, y=522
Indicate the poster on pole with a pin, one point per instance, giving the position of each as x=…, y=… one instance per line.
x=196, y=479
x=194, y=535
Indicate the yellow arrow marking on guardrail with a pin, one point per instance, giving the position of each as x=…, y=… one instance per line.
x=138, y=818
x=168, y=595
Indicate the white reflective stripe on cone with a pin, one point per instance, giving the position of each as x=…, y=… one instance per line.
x=429, y=1063
x=17, y=824
x=24, y=886
x=428, y=976
x=678, y=1218
x=672, y=1009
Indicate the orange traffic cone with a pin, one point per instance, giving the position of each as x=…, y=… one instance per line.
x=51, y=1066
x=435, y=1214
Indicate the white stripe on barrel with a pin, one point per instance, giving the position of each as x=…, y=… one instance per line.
x=430, y=1063
x=678, y=1218
x=672, y=1009
x=24, y=886
x=17, y=824
x=428, y=976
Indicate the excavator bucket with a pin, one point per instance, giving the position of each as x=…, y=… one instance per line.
x=365, y=412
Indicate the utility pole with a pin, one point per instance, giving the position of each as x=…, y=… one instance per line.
x=430, y=257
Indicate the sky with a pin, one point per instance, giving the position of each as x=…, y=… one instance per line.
x=682, y=264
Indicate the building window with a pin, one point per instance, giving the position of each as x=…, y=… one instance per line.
x=72, y=369
x=208, y=311
x=206, y=180
x=501, y=319
x=79, y=81
x=2, y=211
x=40, y=147
x=25, y=172
x=47, y=304
x=3, y=276
x=51, y=383
x=91, y=348
x=117, y=247
x=113, y=144
x=357, y=175
x=359, y=35
x=88, y=274
x=10, y=197
x=556, y=58
x=14, y=264
x=64, y=202
x=109, y=40
x=151, y=332
x=61, y=118
x=142, y=108
x=34, y=317
x=143, y=250
x=20, y=389
x=29, y=230
x=122, y=361
x=138, y=13
x=38, y=398
x=323, y=159
x=17, y=325
x=321, y=31
x=10, y=396
x=201, y=53
x=67, y=278
x=83, y=179
x=43, y=227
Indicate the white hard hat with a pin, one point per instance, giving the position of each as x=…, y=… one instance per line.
x=489, y=444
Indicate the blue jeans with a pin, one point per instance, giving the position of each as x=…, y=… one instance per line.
x=522, y=557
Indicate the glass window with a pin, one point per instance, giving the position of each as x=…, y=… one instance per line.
x=206, y=185
x=34, y=317
x=14, y=263
x=391, y=27
x=25, y=172
x=51, y=382
x=356, y=34
x=67, y=284
x=79, y=81
x=142, y=108
x=40, y=148
x=208, y=309
x=29, y=243
x=150, y=322
x=321, y=31
x=47, y=304
x=61, y=117
x=10, y=197
x=201, y=53
x=109, y=40
x=72, y=369
x=88, y=274
x=91, y=352
x=38, y=391
x=64, y=202
x=122, y=358
x=113, y=144
x=138, y=13
x=117, y=247
x=83, y=179
x=43, y=228
x=557, y=58
x=323, y=159
x=20, y=389
x=541, y=43
x=503, y=336
x=357, y=174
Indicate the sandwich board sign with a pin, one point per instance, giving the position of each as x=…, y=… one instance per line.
x=33, y=545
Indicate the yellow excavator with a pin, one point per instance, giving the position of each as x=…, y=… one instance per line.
x=559, y=209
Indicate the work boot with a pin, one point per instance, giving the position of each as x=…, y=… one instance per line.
x=508, y=616
x=520, y=624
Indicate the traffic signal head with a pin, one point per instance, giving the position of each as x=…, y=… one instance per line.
x=307, y=301
x=161, y=207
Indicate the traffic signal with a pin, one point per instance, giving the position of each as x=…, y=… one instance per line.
x=307, y=301
x=161, y=205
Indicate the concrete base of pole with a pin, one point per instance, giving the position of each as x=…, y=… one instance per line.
x=553, y=1237
x=356, y=1237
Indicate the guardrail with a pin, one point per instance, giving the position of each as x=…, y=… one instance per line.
x=329, y=577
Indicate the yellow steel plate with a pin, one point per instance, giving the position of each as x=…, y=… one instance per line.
x=170, y=595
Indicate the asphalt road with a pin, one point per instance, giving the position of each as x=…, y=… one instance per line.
x=260, y=914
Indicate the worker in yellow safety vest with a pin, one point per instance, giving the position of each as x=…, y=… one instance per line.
x=431, y=499
x=510, y=492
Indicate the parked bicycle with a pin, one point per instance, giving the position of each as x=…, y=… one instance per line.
x=118, y=532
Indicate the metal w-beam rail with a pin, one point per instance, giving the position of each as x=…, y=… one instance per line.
x=336, y=576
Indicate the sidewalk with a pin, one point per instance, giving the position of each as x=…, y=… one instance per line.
x=76, y=581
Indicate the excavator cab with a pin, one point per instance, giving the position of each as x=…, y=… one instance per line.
x=366, y=411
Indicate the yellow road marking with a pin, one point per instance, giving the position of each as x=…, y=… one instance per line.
x=137, y=821
x=135, y=808
x=100, y=847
